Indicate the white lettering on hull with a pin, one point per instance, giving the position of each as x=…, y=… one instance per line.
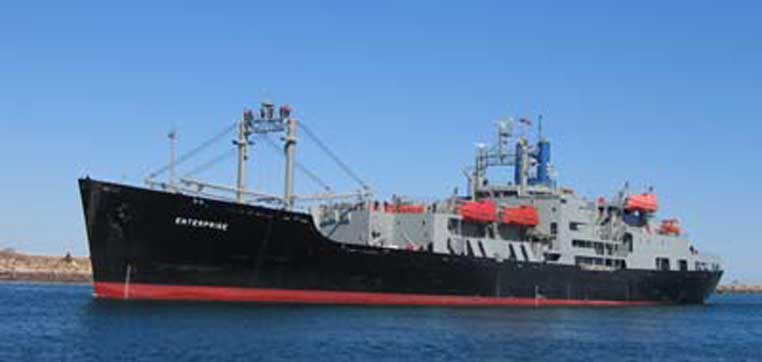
x=202, y=224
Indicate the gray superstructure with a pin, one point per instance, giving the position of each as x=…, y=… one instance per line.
x=603, y=234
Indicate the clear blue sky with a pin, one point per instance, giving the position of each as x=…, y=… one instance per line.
x=657, y=94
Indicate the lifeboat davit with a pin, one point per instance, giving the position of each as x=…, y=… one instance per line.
x=646, y=203
x=521, y=216
x=670, y=227
x=482, y=211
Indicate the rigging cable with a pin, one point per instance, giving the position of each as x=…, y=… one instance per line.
x=207, y=165
x=333, y=156
x=194, y=151
x=298, y=165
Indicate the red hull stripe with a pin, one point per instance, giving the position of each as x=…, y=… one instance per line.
x=229, y=294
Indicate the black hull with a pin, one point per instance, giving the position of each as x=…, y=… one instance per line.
x=141, y=240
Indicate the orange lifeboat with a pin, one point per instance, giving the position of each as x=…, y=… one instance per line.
x=405, y=209
x=482, y=211
x=521, y=216
x=645, y=203
x=670, y=227
x=410, y=209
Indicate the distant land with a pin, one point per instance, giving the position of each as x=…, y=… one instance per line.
x=20, y=267
x=739, y=289
x=15, y=266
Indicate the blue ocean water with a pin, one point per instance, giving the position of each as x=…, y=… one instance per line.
x=64, y=323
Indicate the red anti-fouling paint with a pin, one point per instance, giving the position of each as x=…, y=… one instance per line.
x=206, y=293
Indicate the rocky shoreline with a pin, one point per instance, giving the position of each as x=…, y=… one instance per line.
x=739, y=289
x=18, y=267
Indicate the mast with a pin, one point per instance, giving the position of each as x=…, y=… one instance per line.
x=265, y=121
x=244, y=131
x=268, y=122
x=290, y=152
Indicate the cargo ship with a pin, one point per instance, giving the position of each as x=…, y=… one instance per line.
x=520, y=242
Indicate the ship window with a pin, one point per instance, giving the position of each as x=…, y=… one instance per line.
x=586, y=260
x=552, y=257
x=605, y=263
x=627, y=239
x=683, y=265
x=513, y=251
x=452, y=225
x=473, y=230
x=575, y=226
x=579, y=260
x=524, y=253
x=553, y=228
x=581, y=244
x=662, y=263
x=598, y=246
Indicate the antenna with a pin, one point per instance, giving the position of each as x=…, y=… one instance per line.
x=504, y=128
x=539, y=126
